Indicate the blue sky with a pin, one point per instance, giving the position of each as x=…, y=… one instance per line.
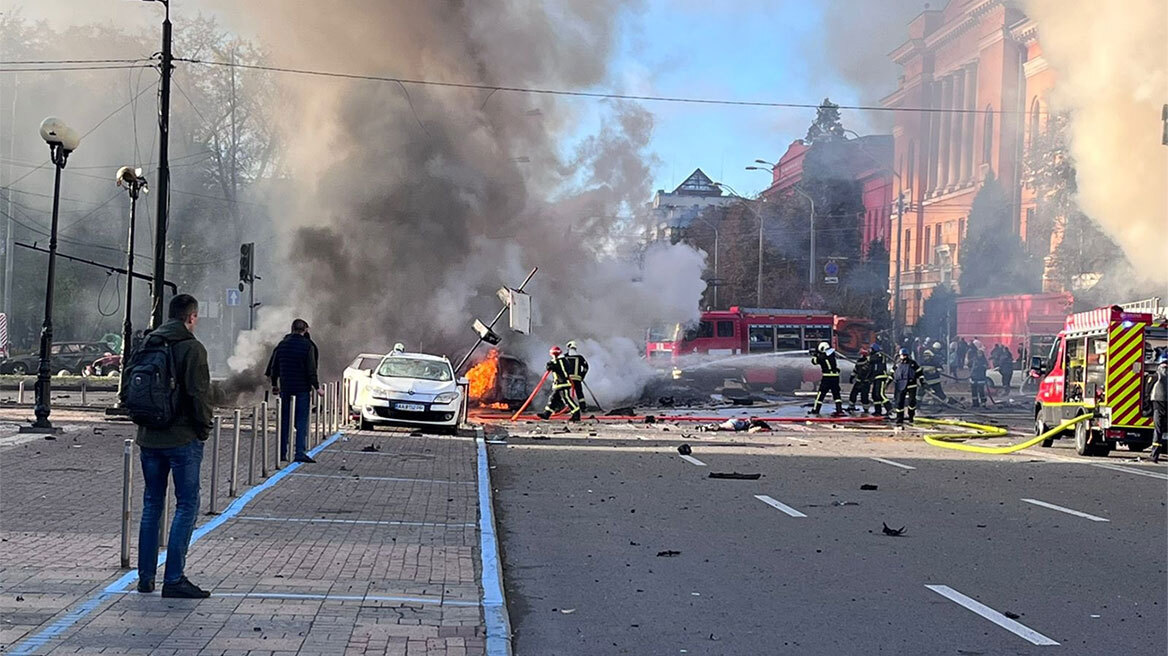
x=772, y=50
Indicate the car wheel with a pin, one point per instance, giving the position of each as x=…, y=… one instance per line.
x=366, y=425
x=19, y=369
x=113, y=372
x=64, y=372
x=1040, y=428
x=1138, y=446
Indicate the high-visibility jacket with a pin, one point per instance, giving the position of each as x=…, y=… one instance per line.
x=878, y=363
x=931, y=373
x=577, y=366
x=560, y=376
x=863, y=371
x=827, y=364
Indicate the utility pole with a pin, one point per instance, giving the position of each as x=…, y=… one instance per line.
x=8, y=257
x=162, y=218
x=896, y=285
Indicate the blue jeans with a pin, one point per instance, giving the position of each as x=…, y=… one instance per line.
x=303, y=405
x=157, y=464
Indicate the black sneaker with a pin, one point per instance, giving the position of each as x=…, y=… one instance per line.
x=184, y=589
x=145, y=587
x=306, y=459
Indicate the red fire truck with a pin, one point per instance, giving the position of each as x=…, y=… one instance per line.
x=743, y=331
x=1099, y=365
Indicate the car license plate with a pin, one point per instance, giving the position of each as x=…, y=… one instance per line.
x=410, y=407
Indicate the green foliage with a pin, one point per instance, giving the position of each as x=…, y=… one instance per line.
x=940, y=314
x=993, y=259
x=827, y=126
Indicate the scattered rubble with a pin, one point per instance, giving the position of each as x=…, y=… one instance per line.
x=893, y=532
x=735, y=476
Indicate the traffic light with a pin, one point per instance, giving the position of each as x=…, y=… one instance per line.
x=246, y=264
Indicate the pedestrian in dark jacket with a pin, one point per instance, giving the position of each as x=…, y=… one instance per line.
x=862, y=379
x=904, y=379
x=1160, y=408
x=962, y=353
x=176, y=451
x=292, y=370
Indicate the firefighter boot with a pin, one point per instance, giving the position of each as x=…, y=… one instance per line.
x=839, y=410
x=575, y=416
x=545, y=415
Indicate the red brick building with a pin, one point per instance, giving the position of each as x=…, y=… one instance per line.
x=975, y=69
x=869, y=163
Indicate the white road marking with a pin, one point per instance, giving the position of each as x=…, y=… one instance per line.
x=1130, y=470
x=778, y=504
x=382, y=478
x=893, y=463
x=1066, y=510
x=992, y=615
x=693, y=460
x=315, y=520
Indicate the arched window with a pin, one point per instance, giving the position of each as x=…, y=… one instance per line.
x=987, y=147
x=1035, y=117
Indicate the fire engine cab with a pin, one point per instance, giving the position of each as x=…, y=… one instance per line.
x=1098, y=365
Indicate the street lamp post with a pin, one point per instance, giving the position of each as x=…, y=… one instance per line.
x=62, y=141
x=135, y=184
x=811, y=229
x=746, y=203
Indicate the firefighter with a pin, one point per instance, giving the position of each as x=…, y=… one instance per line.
x=1160, y=408
x=861, y=381
x=977, y=378
x=905, y=379
x=830, y=382
x=577, y=371
x=878, y=364
x=561, y=396
x=931, y=375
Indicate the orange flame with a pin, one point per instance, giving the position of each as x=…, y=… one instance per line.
x=483, y=376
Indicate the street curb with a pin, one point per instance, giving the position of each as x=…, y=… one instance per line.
x=495, y=616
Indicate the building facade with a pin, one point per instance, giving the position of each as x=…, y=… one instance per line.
x=671, y=212
x=974, y=70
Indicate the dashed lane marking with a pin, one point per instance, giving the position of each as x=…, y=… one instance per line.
x=693, y=461
x=992, y=615
x=1131, y=470
x=770, y=501
x=1066, y=510
x=893, y=463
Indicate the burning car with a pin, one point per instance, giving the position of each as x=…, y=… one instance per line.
x=499, y=381
x=411, y=389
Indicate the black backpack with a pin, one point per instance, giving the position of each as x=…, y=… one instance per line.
x=150, y=384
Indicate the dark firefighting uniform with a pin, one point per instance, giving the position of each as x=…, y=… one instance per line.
x=977, y=379
x=878, y=363
x=861, y=382
x=905, y=379
x=830, y=382
x=1160, y=411
x=577, y=370
x=561, y=396
x=931, y=376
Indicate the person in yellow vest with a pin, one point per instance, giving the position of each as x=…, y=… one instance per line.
x=830, y=382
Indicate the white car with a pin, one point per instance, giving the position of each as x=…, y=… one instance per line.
x=412, y=389
x=357, y=374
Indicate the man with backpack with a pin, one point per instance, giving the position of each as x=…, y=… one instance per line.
x=167, y=392
x=292, y=370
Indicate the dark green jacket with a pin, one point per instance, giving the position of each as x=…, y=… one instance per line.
x=194, y=380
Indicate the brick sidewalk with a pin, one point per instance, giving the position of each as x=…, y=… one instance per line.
x=361, y=553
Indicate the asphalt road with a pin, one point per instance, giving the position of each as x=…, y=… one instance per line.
x=583, y=520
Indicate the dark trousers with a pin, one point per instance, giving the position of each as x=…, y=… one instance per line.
x=935, y=388
x=303, y=406
x=906, y=397
x=578, y=391
x=184, y=463
x=829, y=383
x=1007, y=376
x=977, y=391
x=880, y=395
x=860, y=388
x=1160, y=423
x=562, y=398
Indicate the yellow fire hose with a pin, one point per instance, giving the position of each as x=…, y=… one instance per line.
x=945, y=440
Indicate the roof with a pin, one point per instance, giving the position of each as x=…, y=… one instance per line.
x=418, y=356
x=698, y=184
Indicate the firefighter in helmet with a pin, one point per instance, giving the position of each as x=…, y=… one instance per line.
x=931, y=375
x=905, y=378
x=824, y=356
x=878, y=363
x=862, y=379
x=577, y=371
x=561, y=396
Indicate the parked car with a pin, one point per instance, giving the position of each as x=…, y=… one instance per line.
x=107, y=365
x=64, y=357
x=411, y=389
x=357, y=373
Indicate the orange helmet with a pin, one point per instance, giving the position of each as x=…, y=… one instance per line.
x=555, y=351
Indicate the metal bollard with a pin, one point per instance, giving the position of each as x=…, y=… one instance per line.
x=328, y=409
x=291, y=430
x=214, y=506
x=264, y=439
x=84, y=389
x=20, y=392
x=255, y=417
x=164, y=521
x=316, y=419
x=233, y=478
x=127, y=479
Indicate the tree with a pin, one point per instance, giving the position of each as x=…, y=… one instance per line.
x=939, y=317
x=993, y=260
x=864, y=288
x=827, y=126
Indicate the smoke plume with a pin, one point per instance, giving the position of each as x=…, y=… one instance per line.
x=1114, y=89
x=407, y=207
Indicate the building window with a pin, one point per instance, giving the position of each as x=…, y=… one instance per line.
x=987, y=148
x=937, y=237
x=1035, y=114
x=907, y=248
x=928, y=258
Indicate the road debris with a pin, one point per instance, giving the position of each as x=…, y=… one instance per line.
x=567, y=611
x=735, y=476
x=893, y=532
x=372, y=448
x=626, y=411
x=869, y=487
x=684, y=450
x=668, y=553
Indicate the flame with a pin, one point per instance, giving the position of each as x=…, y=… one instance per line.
x=483, y=376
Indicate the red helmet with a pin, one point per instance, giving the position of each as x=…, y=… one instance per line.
x=555, y=351
x=864, y=351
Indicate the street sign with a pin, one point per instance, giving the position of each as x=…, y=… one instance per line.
x=519, y=304
x=831, y=268
x=233, y=297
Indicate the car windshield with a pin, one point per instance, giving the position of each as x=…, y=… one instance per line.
x=663, y=332
x=410, y=368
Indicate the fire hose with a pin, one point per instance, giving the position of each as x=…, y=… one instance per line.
x=946, y=440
